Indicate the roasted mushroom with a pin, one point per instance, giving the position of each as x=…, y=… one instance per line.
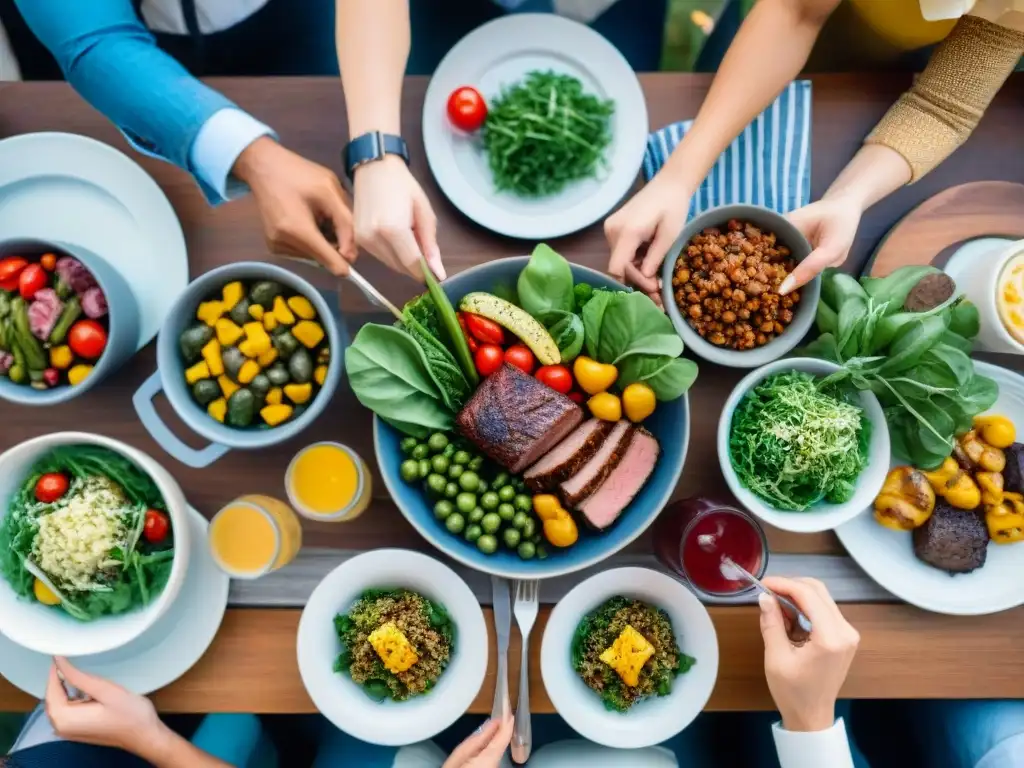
x=1005, y=521
x=954, y=485
x=906, y=500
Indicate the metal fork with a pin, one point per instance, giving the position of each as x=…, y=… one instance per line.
x=526, y=608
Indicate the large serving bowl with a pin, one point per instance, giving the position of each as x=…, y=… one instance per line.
x=342, y=701
x=822, y=516
x=670, y=424
x=51, y=631
x=803, y=316
x=653, y=720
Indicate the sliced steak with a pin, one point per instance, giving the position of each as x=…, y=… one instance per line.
x=952, y=540
x=566, y=458
x=596, y=470
x=603, y=506
x=515, y=419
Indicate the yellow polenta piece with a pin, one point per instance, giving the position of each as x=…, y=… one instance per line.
x=627, y=655
x=393, y=648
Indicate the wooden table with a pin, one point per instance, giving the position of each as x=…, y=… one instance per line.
x=903, y=649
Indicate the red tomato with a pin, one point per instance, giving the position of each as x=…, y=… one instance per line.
x=488, y=359
x=576, y=397
x=555, y=376
x=87, y=339
x=473, y=344
x=484, y=330
x=32, y=278
x=10, y=270
x=49, y=261
x=156, y=526
x=51, y=487
x=521, y=357
x=467, y=109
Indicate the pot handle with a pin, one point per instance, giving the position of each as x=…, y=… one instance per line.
x=143, y=400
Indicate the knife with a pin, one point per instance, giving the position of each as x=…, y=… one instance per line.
x=502, y=628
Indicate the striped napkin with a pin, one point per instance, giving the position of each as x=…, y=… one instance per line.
x=768, y=164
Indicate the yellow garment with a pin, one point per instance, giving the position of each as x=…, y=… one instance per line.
x=900, y=23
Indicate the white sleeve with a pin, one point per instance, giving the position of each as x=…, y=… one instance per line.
x=8, y=64
x=814, y=749
x=217, y=146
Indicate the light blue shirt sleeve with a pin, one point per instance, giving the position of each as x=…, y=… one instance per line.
x=217, y=146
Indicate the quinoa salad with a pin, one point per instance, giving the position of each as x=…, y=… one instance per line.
x=396, y=643
x=626, y=651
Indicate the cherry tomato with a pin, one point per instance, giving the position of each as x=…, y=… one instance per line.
x=576, y=397
x=32, y=278
x=156, y=526
x=555, y=376
x=473, y=343
x=521, y=357
x=87, y=339
x=467, y=109
x=10, y=270
x=484, y=330
x=49, y=261
x=488, y=359
x=51, y=487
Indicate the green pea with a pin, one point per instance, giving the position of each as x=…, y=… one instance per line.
x=436, y=484
x=465, y=503
x=542, y=552
x=455, y=522
x=506, y=512
x=523, y=502
x=506, y=493
x=443, y=508
x=410, y=470
x=473, y=533
x=518, y=484
x=469, y=481
x=421, y=451
x=425, y=468
x=437, y=442
x=449, y=451
x=491, y=522
x=461, y=457
x=455, y=471
x=519, y=520
x=511, y=537
x=483, y=487
x=501, y=479
x=490, y=500
x=526, y=550
x=529, y=527
x=439, y=464
x=487, y=544
x=451, y=490
x=407, y=444
x=476, y=463
x=476, y=515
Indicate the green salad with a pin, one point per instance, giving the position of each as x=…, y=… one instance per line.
x=88, y=533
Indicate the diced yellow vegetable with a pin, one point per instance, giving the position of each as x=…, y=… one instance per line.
x=210, y=311
x=77, y=374
x=627, y=655
x=281, y=311
x=249, y=370
x=61, y=357
x=227, y=386
x=275, y=414
x=197, y=372
x=233, y=293
x=256, y=311
x=218, y=409
x=298, y=393
x=257, y=340
x=44, y=594
x=211, y=354
x=267, y=358
x=269, y=322
x=228, y=333
x=393, y=647
x=309, y=333
x=320, y=374
x=275, y=396
x=302, y=307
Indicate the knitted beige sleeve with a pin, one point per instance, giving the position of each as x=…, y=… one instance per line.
x=946, y=102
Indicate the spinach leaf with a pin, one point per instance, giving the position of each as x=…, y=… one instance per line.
x=826, y=318
x=545, y=283
x=980, y=394
x=953, y=359
x=567, y=330
x=894, y=288
x=891, y=325
x=423, y=324
x=669, y=377
x=912, y=343
x=965, y=320
x=593, y=319
x=633, y=325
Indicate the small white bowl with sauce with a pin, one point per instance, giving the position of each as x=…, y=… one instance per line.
x=996, y=288
x=328, y=482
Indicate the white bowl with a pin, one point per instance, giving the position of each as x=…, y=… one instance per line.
x=53, y=632
x=653, y=720
x=343, y=702
x=822, y=516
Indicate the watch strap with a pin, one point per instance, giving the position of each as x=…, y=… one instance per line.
x=371, y=147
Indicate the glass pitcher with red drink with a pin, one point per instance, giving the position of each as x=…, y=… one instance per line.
x=692, y=536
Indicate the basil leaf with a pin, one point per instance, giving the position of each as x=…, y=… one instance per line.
x=566, y=329
x=545, y=283
x=894, y=288
x=669, y=377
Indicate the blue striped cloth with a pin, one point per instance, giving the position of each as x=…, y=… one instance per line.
x=768, y=164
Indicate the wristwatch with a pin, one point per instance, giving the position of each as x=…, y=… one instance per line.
x=371, y=147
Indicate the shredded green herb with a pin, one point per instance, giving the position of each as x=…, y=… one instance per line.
x=544, y=133
x=794, y=443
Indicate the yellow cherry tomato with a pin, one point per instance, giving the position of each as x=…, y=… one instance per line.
x=547, y=506
x=592, y=376
x=44, y=594
x=605, y=406
x=561, y=532
x=638, y=401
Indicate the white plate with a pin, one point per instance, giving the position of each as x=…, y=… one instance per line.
x=888, y=556
x=499, y=54
x=160, y=656
x=59, y=186
x=653, y=720
x=343, y=702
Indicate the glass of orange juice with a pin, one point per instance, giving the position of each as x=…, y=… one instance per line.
x=254, y=535
x=328, y=482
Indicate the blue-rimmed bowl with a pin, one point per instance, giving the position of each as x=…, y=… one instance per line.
x=670, y=424
x=122, y=323
x=170, y=374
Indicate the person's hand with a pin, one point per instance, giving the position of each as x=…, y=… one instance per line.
x=830, y=226
x=298, y=201
x=394, y=220
x=484, y=748
x=113, y=718
x=805, y=679
x=655, y=215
